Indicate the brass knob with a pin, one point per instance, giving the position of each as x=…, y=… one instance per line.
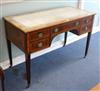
x=40, y=35
x=87, y=21
x=86, y=28
x=40, y=45
x=56, y=30
x=77, y=23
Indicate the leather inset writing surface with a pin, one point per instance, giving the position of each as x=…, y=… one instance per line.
x=34, y=21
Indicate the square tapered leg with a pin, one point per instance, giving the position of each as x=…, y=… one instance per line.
x=28, y=69
x=9, y=52
x=2, y=88
x=87, y=43
x=65, y=38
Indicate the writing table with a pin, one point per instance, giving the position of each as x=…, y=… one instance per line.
x=35, y=31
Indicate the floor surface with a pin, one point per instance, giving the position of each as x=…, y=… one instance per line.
x=64, y=69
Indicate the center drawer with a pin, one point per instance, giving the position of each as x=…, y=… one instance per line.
x=74, y=24
x=65, y=27
x=38, y=45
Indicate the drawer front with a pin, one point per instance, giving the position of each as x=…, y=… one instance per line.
x=74, y=24
x=87, y=20
x=40, y=34
x=86, y=28
x=38, y=45
x=65, y=27
x=56, y=30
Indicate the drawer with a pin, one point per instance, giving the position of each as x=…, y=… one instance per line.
x=38, y=45
x=56, y=30
x=87, y=20
x=39, y=34
x=74, y=24
x=65, y=27
x=86, y=28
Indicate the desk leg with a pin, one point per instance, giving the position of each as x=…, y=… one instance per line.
x=87, y=43
x=65, y=38
x=9, y=51
x=28, y=69
x=2, y=80
x=2, y=83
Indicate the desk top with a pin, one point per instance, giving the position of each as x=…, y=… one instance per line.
x=38, y=20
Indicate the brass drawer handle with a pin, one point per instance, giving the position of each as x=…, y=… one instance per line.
x=56, y=30
x=86, y=28
x=40, y=35
x=77, y=23
x=40, y=44
x=87, y=21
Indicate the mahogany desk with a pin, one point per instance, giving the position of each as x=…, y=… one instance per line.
x=34, y=31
